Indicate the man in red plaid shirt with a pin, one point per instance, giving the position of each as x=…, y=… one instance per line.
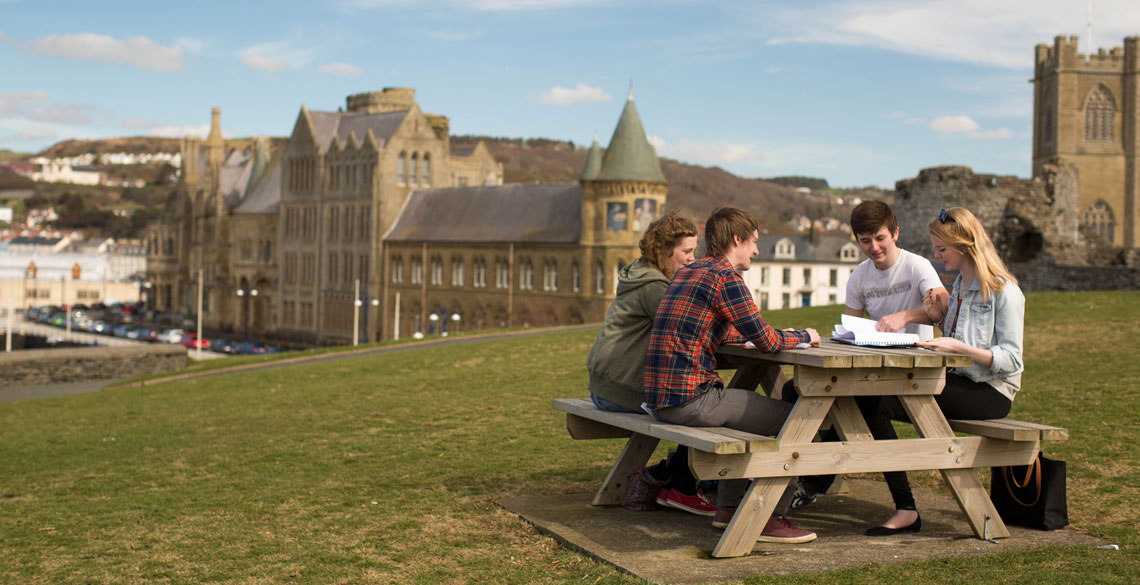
x=707, y=304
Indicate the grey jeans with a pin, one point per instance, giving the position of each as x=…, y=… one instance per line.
x=743, y=410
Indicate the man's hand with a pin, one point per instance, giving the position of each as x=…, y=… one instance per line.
x=814, y=336
x=892, y=323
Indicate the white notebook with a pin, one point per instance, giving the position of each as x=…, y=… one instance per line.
x=860, y=331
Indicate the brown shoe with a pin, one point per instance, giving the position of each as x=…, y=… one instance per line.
x=780, y=530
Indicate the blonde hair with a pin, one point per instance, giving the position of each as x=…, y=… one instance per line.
x=662, y=237
x=962, y=231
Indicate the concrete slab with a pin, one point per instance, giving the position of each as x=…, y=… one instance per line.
x=672, y=548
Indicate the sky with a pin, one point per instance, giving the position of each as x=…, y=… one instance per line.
x=858, y=92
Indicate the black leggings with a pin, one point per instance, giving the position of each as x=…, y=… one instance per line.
x=962, y=398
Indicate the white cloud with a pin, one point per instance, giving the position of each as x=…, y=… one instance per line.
x=191, y=44
x=708, y=153
x=975, y=31
x=477, y=5
x=138, y=123
x=341, y=69
x=561, y=96
x=274, y=56
x=12, y=104
x=200, y=131
x=966, y=125
x=30, y=135
x=140, y=52
x=64, y=113
x=954, y=124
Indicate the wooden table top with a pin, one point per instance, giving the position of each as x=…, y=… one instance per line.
x=834, y=354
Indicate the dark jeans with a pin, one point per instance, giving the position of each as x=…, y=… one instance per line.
x=962, y=398
x=743, y=410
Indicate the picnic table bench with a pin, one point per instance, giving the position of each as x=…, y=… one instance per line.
x=828, y=379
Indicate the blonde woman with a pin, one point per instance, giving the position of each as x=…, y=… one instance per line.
x=982, y=318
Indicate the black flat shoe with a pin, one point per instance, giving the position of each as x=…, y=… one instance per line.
x=884, y=531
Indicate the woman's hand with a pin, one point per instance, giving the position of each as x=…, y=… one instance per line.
x=935, y=305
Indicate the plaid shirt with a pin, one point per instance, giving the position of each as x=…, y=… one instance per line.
x=705, y=306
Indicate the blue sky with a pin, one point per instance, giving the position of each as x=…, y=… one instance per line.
x=860, y=92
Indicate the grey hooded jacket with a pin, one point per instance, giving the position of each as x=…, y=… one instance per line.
x=617, y=360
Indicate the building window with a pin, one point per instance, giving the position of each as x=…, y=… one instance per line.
x=398, y=270
x=600, y=278
x=457, y=272
x=576, y=277
x=832, y=299
x=334, y=222
x=763, y=301
x=436, y=272
x=764, y=275
x=479, y=276
x=426, y=180
x=502, y=274
x=550, y=276
x=526, y=275
x=364, y=268
x=349, y=223
x=807, y=276
x=417, y=270
x=246, y=249
x=833, y=277
x=1100, y=219
x=1100, y=114
x=787, y=298
x=348, y=276
x=365, y=222
x=415, y=168
x=805, y=299
x=332, y=267
x=787, y=277
x=402, y=168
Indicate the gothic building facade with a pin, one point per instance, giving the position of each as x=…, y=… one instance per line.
x=367, y=224
x=1086, y=113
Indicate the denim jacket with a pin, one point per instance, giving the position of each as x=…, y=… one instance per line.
x=995, y=324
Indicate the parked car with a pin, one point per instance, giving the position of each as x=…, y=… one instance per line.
x=171, y=336
x=122, y=330
x=191, y=341
x=224, y=345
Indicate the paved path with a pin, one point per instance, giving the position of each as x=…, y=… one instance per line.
x=20, y=393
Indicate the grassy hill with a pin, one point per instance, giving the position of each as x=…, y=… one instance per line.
x=385, y=469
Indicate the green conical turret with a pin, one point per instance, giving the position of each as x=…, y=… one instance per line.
x=629, y=156
x=593, y=161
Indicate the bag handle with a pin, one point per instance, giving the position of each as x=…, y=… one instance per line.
x=1031, y=472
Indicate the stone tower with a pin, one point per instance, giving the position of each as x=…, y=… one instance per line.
x=621, y=193
x=1086, y=113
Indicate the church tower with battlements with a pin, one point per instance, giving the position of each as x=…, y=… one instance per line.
x=1086, y=112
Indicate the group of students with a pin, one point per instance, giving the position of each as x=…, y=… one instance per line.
x=656, y=350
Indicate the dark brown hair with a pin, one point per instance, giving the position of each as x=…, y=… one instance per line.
x=869, y=216
x=662, y=237
x=723, y=224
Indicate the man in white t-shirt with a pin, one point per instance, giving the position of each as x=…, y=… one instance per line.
x=891, y=283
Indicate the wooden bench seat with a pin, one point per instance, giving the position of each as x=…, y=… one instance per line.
x=1010, y=430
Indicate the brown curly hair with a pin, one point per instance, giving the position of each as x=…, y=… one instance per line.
x=662, y=237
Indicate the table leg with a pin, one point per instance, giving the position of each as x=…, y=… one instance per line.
x=752, y=514
x=636, y=452
x=964, y=483
x=750, y=377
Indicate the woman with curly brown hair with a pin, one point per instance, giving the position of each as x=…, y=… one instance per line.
x=617, y=360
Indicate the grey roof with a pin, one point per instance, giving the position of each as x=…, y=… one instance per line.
x=630, y=157
x=463, y=149
x=234, y=180
x=264, y=196
x=827, y=250
x=260, y=159
x=593, y=162
x=383, y=125
x=508, y=213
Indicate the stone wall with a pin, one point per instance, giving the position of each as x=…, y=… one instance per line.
x=35, y=367
x=1034, y=224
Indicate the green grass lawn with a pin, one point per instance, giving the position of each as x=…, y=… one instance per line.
x=385, y=469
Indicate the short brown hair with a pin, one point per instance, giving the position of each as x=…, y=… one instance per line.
x=662, y=237
x=869, y=216
x=723, y=224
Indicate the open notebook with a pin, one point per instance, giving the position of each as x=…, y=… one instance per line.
x=860, y=331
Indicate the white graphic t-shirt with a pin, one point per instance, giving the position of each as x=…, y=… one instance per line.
x=898, y=288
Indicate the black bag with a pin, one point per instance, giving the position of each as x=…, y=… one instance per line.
x=1031, y=495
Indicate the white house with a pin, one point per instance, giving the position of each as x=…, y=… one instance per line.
x=58, y=172
x=801, y=271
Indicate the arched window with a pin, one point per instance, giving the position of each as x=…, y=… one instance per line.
x=1100, y=219
x=576, y=277
x=600, y=278
x=1100, y=114
x=415, y=167
x=402, y=168
x=426, y=180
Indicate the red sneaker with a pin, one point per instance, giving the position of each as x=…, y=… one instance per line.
x=780, y=530
x=723, y=516
x=694, y=504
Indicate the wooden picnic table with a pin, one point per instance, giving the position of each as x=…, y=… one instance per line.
x=829, y=378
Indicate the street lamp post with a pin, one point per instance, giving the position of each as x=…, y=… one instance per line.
x=246, y=293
